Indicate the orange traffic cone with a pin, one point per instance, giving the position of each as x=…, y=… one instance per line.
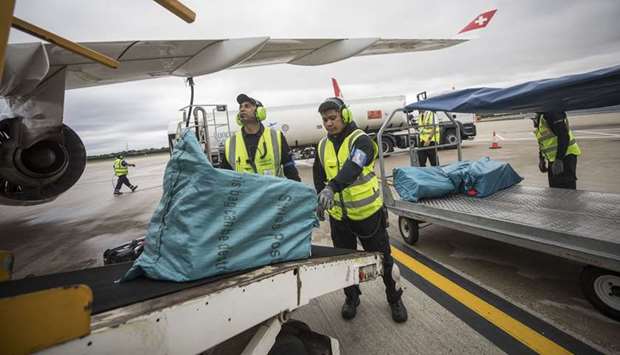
x=495, y=143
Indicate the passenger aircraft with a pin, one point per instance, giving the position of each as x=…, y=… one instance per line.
x=41, y=157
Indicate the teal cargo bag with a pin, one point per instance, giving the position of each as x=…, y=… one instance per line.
x=212, y=221
x=416, y=183
x=487, y=176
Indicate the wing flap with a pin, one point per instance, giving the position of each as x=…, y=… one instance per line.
x=93, y=74
x=391, y=46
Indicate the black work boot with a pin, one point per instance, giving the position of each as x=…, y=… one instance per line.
x=133, y=188
x=399, y=311
x=349, y=308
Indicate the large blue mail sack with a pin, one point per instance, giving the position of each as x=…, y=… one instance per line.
x=415, y=183
x=212, y=221
x=488, y=176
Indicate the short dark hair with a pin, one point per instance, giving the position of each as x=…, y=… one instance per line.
x=332, y=103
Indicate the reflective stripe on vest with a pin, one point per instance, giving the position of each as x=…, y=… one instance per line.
x=267, y=160
x=362, y=198
x=119, y=169
x=426, y=134
x=548, y=142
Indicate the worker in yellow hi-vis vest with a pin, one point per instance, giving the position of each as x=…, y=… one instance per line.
x=429, y=136
x=121, y=170
x=349, y=191
x=557, y=149
x=256, y=148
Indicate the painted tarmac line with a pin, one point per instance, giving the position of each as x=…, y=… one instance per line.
x=485, y=140
x=599, y=133
x=522, y=332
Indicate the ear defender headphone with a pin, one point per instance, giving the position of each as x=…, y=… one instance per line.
x=345, y=111
x=261, y=113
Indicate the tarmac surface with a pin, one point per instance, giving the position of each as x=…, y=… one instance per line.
x=535, y=289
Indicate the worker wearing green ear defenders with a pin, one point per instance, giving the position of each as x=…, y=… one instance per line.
x=256, y=148
x=250, y=110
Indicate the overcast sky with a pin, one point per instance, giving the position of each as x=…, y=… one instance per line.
x=527, y=40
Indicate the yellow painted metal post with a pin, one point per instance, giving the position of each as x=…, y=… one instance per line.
x=64, y=43
x=6, y=16
x=177, y=8
x=35, y=321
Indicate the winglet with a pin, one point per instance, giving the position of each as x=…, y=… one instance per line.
x=481, y=21
x=337, y=92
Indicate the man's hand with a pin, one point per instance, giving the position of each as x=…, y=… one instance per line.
x=326, y=198
x=320, y=213
x=557, y=167
x=542, y=165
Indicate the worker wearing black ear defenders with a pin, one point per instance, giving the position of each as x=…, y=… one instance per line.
x=256, y=148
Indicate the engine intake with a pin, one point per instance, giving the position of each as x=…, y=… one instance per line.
x=42, y=171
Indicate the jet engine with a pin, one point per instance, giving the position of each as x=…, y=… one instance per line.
x=37, y=171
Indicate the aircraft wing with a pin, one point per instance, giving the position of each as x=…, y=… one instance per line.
x=151, y=59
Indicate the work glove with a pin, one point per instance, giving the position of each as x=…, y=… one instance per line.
x=326, y=198
x=542, y=166
x=557, y=167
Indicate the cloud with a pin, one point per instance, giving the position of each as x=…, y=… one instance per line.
x=527, y=40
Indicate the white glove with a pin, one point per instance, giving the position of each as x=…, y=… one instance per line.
x=557, y=167
x=326, y=198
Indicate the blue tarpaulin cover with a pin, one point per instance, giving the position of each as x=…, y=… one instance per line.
x=485, y=176
x=599, y=88
x=211, y=221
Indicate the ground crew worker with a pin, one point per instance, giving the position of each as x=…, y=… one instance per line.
x=429, y=136
x=348, y=189
x=557, y=149
x=256, y=148
x=121, y=171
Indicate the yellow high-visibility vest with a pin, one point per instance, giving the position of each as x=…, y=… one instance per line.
x=428, y=132
x=119, y=169
x=267, y=159
x=362, y=198
x=548, y=142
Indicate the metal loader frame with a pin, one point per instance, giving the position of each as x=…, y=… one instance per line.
x=578, y=225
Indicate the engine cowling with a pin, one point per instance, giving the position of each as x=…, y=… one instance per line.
x=41, y=171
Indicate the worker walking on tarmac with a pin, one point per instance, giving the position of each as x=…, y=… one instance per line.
x=121, y=170
x=348, y=189
x=558, y=149
x=256, y=148
x=429, y=136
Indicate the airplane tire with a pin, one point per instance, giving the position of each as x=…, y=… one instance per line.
x=602, y=288
x=409, y=229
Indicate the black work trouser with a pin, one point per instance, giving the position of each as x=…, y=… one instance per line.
x=568, y=179
x=372, y=233
x=431, y=154
x=122, y=180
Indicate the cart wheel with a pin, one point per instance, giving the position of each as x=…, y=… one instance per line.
x=408, y=229
x=602, y=288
